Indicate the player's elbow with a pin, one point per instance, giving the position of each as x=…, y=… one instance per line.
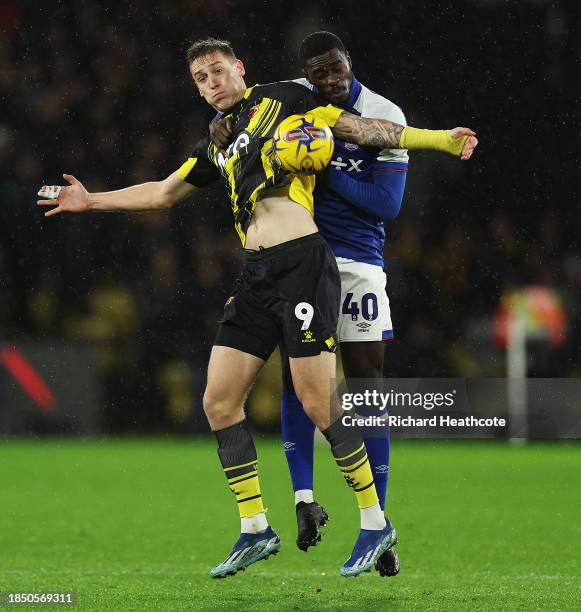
x=164, y=199
x=391, y=204
x=392, y=210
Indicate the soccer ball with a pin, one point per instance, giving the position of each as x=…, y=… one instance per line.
x=303, y=144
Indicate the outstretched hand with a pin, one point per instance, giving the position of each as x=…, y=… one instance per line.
x=73, y=198
x=470, y=144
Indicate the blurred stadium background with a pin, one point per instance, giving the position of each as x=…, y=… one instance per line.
x=117, y=313
x=106, y=321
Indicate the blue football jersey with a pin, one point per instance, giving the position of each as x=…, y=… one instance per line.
x=351, y=232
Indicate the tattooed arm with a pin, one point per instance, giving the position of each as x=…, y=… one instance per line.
x=385, y=134
x=378, y=133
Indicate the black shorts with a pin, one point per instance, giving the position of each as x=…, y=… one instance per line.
x=288, y=293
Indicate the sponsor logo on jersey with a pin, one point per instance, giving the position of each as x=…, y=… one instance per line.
x=351, y=165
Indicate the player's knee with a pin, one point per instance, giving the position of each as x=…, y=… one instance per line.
x=217, y=409
x=373, y=371
x=363, y=365
x=313, y=405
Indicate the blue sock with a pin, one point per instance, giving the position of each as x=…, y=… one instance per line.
x=298, y=433
x=378, y=453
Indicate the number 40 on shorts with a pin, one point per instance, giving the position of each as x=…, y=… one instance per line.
x=367, y=307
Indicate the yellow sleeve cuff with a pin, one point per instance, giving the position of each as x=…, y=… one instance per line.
x=186, y=167
x=329, y=114
x=437, y=140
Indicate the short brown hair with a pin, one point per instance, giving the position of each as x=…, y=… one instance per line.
x=205, y=46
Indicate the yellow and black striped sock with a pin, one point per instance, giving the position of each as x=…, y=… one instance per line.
x=238, y=456
x=351, y=457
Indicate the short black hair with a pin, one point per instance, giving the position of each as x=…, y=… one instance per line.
x=318, y=43
x=203, y=47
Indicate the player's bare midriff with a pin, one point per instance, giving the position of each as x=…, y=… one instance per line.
x=278, y=219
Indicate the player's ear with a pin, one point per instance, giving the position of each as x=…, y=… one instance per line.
x=240, y=67
x=348, y=57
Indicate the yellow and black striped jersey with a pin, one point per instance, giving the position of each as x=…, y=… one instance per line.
x=248, y=168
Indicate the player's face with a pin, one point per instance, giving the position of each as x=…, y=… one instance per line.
x=331, y=74
x=219, y=79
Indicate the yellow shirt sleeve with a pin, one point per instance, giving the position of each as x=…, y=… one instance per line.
x=186, y=167
x=198, y=170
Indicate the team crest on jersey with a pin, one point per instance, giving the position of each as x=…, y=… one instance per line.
x=351, y=147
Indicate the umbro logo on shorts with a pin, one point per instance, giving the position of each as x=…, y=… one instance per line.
x=382, y=469
x=363, y=327
x=289, y=446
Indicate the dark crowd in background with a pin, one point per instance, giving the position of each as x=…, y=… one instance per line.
x=100, y=89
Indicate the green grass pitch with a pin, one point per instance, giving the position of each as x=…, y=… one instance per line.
x=137, y=524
